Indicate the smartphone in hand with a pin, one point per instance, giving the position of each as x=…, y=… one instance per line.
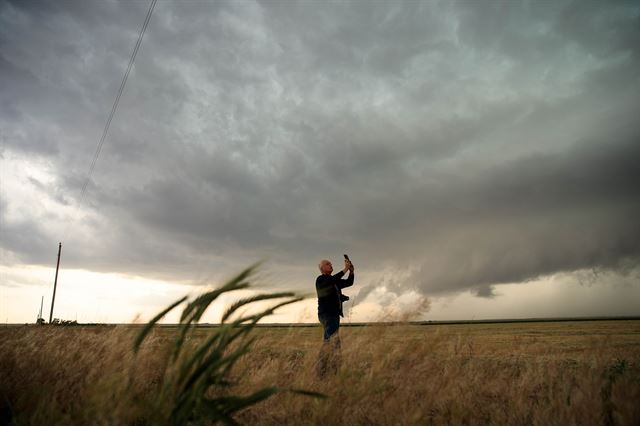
x=346, y=258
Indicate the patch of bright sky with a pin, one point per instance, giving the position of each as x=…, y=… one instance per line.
x=560, y=295
x=116, y=298
x=85, y=296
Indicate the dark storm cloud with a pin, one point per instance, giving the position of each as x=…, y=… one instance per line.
x=469, y=143
x=486, y=292
x=521, y=220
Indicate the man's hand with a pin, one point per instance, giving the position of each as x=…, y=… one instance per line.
x=347, y=266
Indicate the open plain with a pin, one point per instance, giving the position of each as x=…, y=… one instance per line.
x=570, y=372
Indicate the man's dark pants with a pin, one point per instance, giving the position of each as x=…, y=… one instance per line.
x=329, y=359
x=331, y=324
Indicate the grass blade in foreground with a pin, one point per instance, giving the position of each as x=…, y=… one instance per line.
x=197, y=377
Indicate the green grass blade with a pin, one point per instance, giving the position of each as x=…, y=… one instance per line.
x=242, y=302
x=147, y=328
x=251, y=320
x=194, y=309
x=200, y=366
x=215, y=361
x=232, y=404
x=305, y=392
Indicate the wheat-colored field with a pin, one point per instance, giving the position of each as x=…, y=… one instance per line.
x=583, y=372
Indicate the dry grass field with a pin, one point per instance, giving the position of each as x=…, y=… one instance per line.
x=583, y=372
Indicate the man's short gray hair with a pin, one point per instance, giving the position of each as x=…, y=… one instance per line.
x=320, y=264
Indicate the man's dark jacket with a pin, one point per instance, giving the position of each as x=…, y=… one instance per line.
x=329, y=291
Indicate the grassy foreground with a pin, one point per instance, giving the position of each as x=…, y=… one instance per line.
x=533, y=373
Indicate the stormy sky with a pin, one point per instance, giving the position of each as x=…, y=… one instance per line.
x=451, y=148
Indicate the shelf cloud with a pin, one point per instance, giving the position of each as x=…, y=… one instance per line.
x=468, y=143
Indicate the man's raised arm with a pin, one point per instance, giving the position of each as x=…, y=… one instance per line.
x=347, y=267
x=349, y=281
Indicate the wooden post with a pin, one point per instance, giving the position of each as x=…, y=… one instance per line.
x=55, y=283
x=40, y=313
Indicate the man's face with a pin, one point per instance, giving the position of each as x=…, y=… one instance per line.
x=326, y=267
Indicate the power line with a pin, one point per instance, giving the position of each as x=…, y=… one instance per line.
x=115, y=103
x=104, y=136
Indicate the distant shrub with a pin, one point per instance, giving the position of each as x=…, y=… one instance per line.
x=64, y=323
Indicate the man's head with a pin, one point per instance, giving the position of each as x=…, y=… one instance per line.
x=325, y=267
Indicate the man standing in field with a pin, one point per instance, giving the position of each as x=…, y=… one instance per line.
x=329, y=289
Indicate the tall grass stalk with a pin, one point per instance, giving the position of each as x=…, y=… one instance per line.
x=198, y=371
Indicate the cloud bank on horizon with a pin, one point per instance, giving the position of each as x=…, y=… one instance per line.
x=466, y=144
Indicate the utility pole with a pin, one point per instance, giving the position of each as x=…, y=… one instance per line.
x=55, y=283
x=40, y=313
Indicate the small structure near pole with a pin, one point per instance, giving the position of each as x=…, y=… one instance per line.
x=55, y=283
